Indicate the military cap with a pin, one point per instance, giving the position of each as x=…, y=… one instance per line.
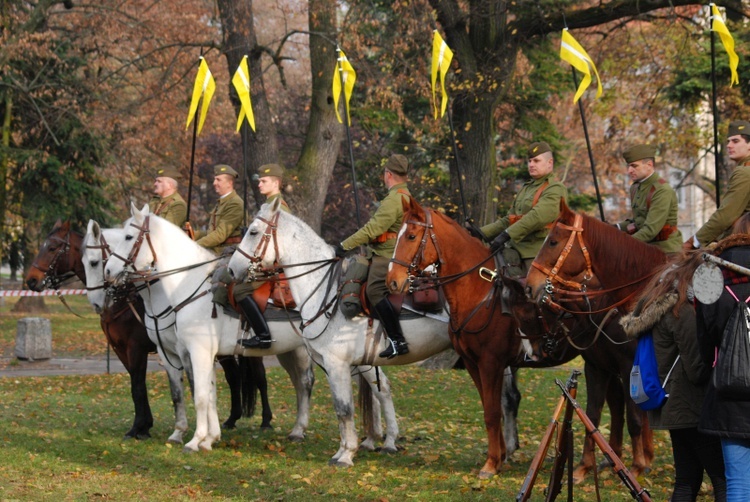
x=737, y=127
x=168, y=172
x=397, y=164
x=639, y=152
x=225, y=169
x=538, y=148
x=271, y=170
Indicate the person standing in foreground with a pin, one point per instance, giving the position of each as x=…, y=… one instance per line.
x=665, y=308
x=521, y=233
x=269, y=185
x=380, y=234
x=226, y=218
x=736, y=200
x=166, y=201
x=727, y=416
x=653, y=201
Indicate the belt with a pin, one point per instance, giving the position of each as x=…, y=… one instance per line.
x=384, y=237
x=665, y=232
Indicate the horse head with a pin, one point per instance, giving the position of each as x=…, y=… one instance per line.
x=416, y=247
x=96, y=252
x=130, y=255
x=57, y=260
x=259, y=247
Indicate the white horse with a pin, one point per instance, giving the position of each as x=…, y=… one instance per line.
x=97, y=245
x=154, y=248
x=335, y=342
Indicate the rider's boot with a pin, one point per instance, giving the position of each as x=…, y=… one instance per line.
x=389, y=318
x=261, y=338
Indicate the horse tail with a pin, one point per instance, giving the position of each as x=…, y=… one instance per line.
x=249, y=379
x=365, y=406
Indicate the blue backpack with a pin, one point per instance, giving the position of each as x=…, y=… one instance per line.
x=645, y=388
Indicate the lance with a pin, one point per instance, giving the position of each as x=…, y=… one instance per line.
x=715, y=113
x=192, y=162
x=458, y=164
x=588, y=146
x=349, y=136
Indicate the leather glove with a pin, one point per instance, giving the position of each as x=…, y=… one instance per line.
x=339, y=250
x=499, y=241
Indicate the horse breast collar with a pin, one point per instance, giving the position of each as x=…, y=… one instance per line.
x=411, y=268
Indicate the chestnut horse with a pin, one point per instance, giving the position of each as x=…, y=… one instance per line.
x=59, y=259
x=481, y=333
x=589, y=272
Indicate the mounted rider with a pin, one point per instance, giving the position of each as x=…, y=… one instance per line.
x=380, y=234
x=166, y=201
x=226, y=217
x=269, y=184
x=653, y=201
x=521, y=233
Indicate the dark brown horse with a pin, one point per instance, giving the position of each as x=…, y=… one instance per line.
x=59, y=259
x=482, y=334
x=584, y=276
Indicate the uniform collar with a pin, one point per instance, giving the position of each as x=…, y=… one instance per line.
x=397, y=186
x=539, y=181
x=744, y=162
x=648, y=180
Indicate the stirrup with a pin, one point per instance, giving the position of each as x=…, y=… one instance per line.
x=255, y=342
x=395, y=349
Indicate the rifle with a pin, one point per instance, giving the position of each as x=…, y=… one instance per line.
x=638, y=492
x=541, y=453
x=564, y=446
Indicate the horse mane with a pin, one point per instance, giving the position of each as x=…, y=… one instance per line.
x=605, y=242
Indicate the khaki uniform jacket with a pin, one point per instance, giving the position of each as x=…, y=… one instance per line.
x=734, y=203
x=172, y=208
x=527, y=234
x=649, y=221
x=224, y=222
x=387, y=218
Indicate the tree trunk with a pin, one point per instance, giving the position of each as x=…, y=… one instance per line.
x=324, y=133
x=240, y=41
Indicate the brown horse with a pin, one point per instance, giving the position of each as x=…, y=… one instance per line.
x=586, y=274
x=485, y=339
x=59, y=259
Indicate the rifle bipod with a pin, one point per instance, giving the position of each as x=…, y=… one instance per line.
x=565, y=449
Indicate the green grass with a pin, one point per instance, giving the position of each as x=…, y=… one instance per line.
x=61, y=439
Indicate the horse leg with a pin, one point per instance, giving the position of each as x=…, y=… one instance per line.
x=616, y=403
x=177, y=391
x=511, y=402
x=596, y=391
x=340, y=380
x=232, y=375
x=253, y=377
x=261, y=382
x=640, y=434
x=206, y=427
x=384, y=403
x=492, y=390
x=299, y=365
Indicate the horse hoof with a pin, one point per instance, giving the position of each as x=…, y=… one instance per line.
x=389, y=450
x=174, y=441
x=486, y=475
x=579, y=475
x=339, y=464
x=266, y=427
x=295, y=439
x=187, y=449
x=143, y=436
x=227, y=426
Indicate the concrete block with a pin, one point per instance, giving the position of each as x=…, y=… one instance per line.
x=33, y=338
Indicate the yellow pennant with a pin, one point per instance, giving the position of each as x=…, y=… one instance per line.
x=442, y=56
x=204, y=86
x=572, y=52
x=727, y=41
x=344, y=71
x=241, y=82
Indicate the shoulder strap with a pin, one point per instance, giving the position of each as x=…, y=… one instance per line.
x=539, y=192
x=651, y=195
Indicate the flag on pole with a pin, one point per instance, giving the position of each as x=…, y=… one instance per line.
x=344, y=71
x=727, y=41
x=572, y=52
x=241, y=82
x=204, y=86
x=442, y=56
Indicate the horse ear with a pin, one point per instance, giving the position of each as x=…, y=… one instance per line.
x=276, y=205
x=146, y=210
x=133, y=209
x=94, y=229
x=564, y=209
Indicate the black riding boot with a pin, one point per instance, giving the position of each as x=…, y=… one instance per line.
x=389, y=318
x=261, y=338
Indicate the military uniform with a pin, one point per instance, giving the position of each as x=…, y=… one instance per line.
x=734, y=203
x=172, y=208
x=224, y=224
x=654, y=205
x=527, y=222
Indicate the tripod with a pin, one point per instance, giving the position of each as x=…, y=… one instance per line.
x=565, y=449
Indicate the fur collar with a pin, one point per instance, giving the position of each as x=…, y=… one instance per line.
x=733, y=240
x=639, y=320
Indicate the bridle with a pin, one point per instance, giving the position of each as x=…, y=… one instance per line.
x=269, y=235
x=51, y=279
x=415, y=276
x=143, y=234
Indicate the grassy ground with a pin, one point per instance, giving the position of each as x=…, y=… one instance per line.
x=61, y=439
